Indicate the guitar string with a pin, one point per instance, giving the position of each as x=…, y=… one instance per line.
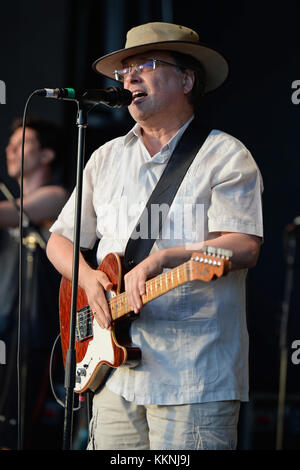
x=121, y=301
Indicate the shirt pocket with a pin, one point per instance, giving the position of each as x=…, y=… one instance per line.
x=186, y=355
x=186, y=221
x=192, y=300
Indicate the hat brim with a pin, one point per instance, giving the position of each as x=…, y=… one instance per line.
x=215, y=65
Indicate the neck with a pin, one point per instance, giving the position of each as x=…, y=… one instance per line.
x=156, y=135
x=33, y=181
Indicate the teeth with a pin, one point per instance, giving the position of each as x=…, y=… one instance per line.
x=137, y=94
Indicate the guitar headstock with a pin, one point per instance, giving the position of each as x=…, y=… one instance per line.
x=209, y=264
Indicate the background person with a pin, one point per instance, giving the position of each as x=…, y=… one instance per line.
x=44, y=196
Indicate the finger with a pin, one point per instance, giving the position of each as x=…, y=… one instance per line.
x=102, y=319
x=101, y=309
x=104, y=280
x=137, y=301
x=128, y=290
x=133, y=287
x=101, y=302
x=142, y=287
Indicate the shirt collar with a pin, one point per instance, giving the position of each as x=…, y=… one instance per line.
x=135, y=132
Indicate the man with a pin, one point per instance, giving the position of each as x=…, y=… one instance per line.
x=44, y=197
x=186, y=391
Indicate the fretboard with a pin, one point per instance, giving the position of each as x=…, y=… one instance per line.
x=155, y=287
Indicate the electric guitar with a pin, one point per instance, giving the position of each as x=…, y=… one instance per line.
x=99, y=351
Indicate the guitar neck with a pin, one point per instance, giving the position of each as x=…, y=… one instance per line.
x=155, y=287
x=205, y=266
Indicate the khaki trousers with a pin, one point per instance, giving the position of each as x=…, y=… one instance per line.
x=121, y=425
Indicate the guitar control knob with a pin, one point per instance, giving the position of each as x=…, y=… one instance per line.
x=81, y=371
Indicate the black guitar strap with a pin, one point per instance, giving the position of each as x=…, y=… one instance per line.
x=164, y=192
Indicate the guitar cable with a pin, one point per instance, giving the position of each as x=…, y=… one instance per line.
x=81, y=397
x=60, y=402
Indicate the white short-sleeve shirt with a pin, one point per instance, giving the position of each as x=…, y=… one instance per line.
x=194, y=339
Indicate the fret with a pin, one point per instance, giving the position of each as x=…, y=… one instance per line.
x=185, y=272
x=154, y=288
x=119, y=307
x=204, y=266
x=125, y=305
x=112, y=306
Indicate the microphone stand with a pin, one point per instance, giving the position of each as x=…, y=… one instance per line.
x=70, y=366
x=290, y=260
x=85, y=104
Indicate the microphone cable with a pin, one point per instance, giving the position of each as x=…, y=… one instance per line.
x=21, y=269
x=22, y=218
x=90, y=100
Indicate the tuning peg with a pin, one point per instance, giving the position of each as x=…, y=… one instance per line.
x=211, y=250
x=225, y=253
x=220, y=252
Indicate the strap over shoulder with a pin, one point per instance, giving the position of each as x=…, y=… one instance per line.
x=164, y=192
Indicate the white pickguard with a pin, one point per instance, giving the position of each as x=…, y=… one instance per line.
x=100, y=348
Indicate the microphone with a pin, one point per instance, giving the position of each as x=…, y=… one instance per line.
x=114, y=97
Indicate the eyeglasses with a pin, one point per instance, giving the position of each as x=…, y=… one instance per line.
x=151, y=64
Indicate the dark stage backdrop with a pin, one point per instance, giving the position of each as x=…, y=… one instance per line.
x=54, y=46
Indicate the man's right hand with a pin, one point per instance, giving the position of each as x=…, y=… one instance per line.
x=95, y=283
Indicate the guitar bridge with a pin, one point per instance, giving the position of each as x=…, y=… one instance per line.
x=84, y=324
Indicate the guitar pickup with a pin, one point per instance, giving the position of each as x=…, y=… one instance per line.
x=84, y=324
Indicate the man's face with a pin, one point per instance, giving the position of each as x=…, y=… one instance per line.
x=32, y=153
x=162, y=88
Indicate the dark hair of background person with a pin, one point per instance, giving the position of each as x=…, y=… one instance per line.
x=50, y=136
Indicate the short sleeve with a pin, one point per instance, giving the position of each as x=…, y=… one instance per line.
x=64, y=225
x=236, y=197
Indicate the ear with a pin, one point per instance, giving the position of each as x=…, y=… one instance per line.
x=188, y=78
x=47, y=156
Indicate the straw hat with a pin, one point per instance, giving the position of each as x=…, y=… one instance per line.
x=168, y=37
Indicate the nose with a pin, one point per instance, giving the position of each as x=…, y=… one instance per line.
x=133, y=76
x=10, y=149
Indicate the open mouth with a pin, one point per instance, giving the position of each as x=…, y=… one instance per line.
x=138, y=94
